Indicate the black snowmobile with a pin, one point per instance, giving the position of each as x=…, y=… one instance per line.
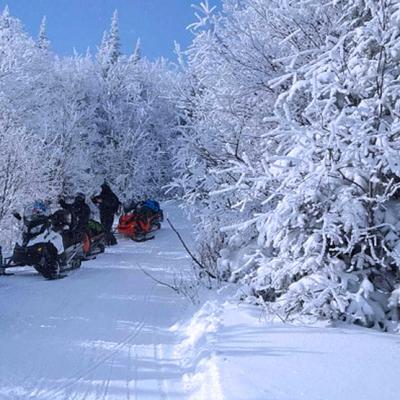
x=47, y=244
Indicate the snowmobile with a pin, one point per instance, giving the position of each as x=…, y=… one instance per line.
x=92, y=239
x=47, y=244
x=140, y=220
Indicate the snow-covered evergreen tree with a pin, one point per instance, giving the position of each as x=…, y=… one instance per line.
x=42, y=40
x=333, y=229
x=110, y=48
x=137, y=53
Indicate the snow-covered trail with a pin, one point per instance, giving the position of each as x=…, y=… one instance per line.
x=103, y=332
x=110, y=332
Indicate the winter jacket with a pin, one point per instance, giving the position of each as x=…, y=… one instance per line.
x=107, y=201
x=80, y=212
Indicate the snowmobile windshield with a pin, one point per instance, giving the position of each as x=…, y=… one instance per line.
x=34, y=227
x=36, y=211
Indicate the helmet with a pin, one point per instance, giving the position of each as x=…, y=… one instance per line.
x=80, y=196
x=39, y=208
x=36, y=209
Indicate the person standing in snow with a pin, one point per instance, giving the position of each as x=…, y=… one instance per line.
x=80, y=213
x=108, y=204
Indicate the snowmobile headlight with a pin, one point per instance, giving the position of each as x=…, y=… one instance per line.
x=39, y=249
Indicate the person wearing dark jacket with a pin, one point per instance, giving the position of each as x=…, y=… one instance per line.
x=80, y=213
x=108, y=204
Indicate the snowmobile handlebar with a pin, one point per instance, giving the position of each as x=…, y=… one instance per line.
x=17, y=215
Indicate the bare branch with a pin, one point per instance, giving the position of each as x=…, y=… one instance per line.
x=211, y=275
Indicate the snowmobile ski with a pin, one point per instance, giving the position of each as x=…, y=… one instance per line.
x=142, y=239
x=57, y=277
x=3, y=272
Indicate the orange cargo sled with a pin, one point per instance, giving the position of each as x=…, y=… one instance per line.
x=138, y=223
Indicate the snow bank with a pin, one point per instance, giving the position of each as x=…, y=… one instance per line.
x=198, y=355
x=231, y=352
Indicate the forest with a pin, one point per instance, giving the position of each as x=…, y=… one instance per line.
x=277, y=129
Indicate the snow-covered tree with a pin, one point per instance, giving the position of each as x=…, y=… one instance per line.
x=135, y=120
x=226, y=104
x=288, y=153
x=85, y=121
x=110, y=49
x=42, y=41
x=137, y=53
x=20, y=172
x=334, y=226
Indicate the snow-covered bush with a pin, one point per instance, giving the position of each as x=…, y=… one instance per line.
x=335, y=250
x=290, y=152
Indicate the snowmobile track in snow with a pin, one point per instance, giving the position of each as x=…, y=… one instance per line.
x=101, y=333
x=84, y=374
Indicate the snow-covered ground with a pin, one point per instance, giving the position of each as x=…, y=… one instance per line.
x=109, y=331
x=232, y=353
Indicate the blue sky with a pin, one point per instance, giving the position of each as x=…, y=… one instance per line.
x=80, y=24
